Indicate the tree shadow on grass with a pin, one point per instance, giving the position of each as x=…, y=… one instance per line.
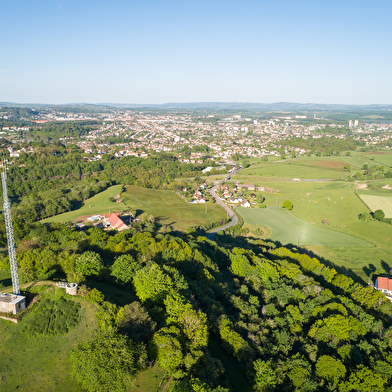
x=386, y=267
x=6, y=282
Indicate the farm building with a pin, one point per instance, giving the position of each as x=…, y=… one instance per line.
x=12, y=303
x=385, y=285
x=116, y=222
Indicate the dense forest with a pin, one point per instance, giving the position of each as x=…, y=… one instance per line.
x=53, y=179
x=289, y=322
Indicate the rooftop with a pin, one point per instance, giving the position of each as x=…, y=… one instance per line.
x=11, y=298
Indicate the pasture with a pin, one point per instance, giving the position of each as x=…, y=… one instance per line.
x=380, y=157
x=167, y=207
x=289, y=229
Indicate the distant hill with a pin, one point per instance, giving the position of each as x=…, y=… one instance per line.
x=277, y=106
x=18, y=112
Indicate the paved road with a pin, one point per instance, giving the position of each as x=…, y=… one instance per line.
x=230, y=212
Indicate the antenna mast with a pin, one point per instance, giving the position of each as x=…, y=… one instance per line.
x=10, y=236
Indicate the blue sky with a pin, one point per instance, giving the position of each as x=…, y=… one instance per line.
x=196, y=51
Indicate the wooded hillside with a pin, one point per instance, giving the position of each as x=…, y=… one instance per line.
x=290, y=322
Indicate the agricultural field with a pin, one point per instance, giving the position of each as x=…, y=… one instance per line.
x=333, y=203
x=288, y=229
x=303, y=168
x=167, y=207
x=380, y=157
x=375, y=203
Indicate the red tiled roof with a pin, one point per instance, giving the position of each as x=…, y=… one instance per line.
x=384, y=283
x=117, y=223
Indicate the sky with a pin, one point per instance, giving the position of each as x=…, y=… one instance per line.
x=151, y=52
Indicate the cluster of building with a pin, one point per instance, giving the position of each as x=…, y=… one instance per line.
x=110, y=221
x=218, y=138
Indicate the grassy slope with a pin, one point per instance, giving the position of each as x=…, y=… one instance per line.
x=164, y=205
x=287, y=228
x=98, y=204
x=170, y=208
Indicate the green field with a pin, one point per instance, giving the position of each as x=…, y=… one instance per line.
x=167, y=207
x=335, y=201
x=288, y=229
x=303, y=168
x=98, y=204
x=379, y=203
x=317, y=200
x=381, y=157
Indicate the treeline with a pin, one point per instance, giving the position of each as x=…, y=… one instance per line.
x=54, y=130
x=53, y=180
x=325, y=145
x=286, y=321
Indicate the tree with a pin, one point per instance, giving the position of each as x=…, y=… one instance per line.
x=89, y=263
x=166, y=347
x=325, y=221
x=288, y=205
x=95, y=296
x=265, y=378
x=260, y=198
x=136, y=322
x=151, y=283
x=108, y=362
x=330, y=369
x=124, y=269
x=365, y=216
x=363, y=379
x=378, y=214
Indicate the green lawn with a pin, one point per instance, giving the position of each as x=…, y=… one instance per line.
x=287, y=228
x=166, y=206
x=169, y=208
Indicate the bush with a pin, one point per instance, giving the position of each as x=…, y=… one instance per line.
x=53, y=316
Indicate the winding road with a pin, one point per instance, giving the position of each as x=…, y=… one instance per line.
x=230, y=212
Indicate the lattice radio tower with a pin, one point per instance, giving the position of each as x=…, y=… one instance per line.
x=10, y=235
